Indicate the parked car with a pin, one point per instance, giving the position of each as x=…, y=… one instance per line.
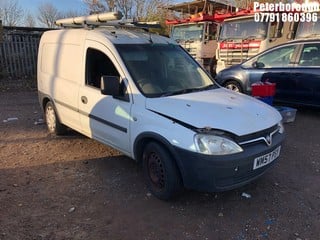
x=293, y=66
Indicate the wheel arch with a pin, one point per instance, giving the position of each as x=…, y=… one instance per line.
x=144, y=138
x=44, y=99
x=44, y=102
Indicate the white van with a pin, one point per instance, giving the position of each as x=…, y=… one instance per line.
x=145, y=96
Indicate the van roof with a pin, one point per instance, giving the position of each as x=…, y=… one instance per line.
x=113, y=34
x=132, y=36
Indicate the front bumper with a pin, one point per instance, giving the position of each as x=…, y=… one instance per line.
x=220, y=173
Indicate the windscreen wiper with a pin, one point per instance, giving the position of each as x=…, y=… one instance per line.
x=187, y=90
x=182, y=91
x=208, y=87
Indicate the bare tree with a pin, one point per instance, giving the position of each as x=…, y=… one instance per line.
x=70, y=14
x=112, y=5
x=151, y=10
x=30, y=21
x=140, y=9
x=125, y=6
x=10, y=12
x=95, y=6
x=47, y=14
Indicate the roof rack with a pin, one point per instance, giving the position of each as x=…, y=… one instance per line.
x=104, y=19
x=95, y=18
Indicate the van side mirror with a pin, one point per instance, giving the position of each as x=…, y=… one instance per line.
x=110, y=85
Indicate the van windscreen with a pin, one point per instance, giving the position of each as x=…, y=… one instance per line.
x=163, y=69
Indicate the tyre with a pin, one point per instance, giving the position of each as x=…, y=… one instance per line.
x=233, y=85
x=160, y=171
x=53, y=124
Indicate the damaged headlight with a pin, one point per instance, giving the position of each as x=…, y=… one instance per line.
x=215, y=145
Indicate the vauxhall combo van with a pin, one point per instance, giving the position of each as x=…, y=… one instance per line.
x=143, y=95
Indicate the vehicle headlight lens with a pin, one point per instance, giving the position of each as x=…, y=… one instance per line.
x=215, y=145
x=281, y=127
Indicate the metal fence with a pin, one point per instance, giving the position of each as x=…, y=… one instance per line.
x=18, y=51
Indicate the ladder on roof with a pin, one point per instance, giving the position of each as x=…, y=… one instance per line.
x=104, y=19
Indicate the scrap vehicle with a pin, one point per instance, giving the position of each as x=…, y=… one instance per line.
x=194, y=25
x=241, y=37
x=307, y=29
x=145, y=96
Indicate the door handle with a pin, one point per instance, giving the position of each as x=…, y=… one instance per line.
x=84, y=99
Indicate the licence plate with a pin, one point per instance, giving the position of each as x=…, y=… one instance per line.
x=266, y=159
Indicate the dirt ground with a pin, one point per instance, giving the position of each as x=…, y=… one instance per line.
x=73, y=187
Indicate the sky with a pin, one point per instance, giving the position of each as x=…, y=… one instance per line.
x=31, y=6
x=61, y=5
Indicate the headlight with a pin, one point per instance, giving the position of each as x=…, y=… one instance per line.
x=215, y=145
x=281, y=127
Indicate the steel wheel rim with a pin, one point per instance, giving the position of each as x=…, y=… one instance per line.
x=51, y=119
x=156, y=170
x=233, y=87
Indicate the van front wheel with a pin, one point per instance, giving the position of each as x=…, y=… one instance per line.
x=53, y=124
x=160, y=171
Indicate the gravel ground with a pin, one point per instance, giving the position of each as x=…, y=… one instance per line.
x=72, y=187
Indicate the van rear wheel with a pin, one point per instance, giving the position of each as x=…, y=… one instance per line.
x=53, y=124
x=233, y=85
x=160, y=171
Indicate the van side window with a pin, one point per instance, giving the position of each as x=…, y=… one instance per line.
x=98, y=65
